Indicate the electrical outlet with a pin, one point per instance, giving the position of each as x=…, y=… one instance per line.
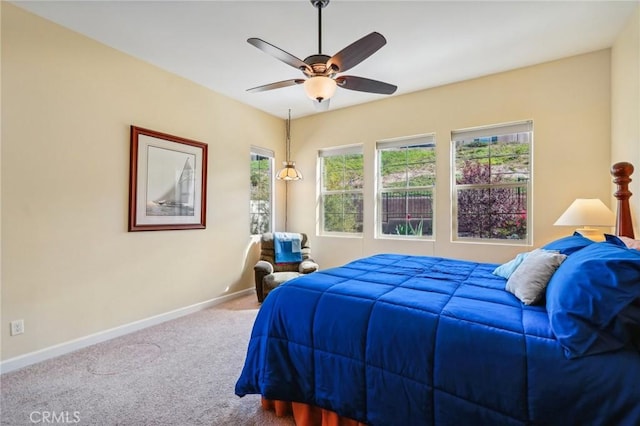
x=17, y=327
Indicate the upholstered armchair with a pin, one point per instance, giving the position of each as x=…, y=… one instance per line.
x=270, y=274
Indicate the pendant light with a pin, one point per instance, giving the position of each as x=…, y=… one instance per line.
x=289, y=172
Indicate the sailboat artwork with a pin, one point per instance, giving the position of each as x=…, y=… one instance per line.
x=167, y=182
x=178, y=198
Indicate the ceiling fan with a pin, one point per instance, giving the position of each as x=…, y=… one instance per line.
x=322, y=70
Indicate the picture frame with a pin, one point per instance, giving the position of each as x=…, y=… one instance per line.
x=167, y=182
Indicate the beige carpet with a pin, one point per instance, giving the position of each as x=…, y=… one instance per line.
x=181, y=372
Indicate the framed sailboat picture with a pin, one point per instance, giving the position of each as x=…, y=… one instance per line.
x=168, y=182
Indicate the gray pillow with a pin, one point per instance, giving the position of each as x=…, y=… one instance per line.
x=529, y=281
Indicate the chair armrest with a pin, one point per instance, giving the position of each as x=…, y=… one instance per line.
x=307, y=266
x=264, y=267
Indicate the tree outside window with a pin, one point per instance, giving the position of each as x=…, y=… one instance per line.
x=261, y=191
x=492, y=182
x=341, y=198
x=406, y=181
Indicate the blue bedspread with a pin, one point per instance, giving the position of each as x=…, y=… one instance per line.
x=411, y=340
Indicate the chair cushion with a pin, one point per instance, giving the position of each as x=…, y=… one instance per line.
x=272, y=281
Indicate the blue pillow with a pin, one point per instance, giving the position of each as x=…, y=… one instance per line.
x=614, y=240
x=506, y=269
x=587, y=293
x=569, y=245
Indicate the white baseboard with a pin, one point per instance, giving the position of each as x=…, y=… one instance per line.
x=73, y=345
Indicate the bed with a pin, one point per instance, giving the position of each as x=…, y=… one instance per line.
x=412, y=340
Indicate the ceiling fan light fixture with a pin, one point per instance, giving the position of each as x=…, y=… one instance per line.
x=320, y=69
x=320, y=88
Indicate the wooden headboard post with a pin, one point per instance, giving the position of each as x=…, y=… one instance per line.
x=621, y=173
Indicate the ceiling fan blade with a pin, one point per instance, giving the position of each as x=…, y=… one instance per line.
x=280, y=54
x=356, y=52
x=361, y=84
x=276, y=85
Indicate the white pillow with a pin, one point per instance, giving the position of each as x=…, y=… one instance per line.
x=529, y=281
x=631, y=243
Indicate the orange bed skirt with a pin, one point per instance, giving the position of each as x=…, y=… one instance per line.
x=307, y=415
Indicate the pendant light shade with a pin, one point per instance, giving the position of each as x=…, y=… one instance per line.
x=289, y=172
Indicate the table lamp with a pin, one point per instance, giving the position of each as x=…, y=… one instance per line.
x=587, y=213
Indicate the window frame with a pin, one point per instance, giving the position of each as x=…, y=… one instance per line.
x=495, y=130
x=270, y=155
x=356, y=149
x=404, y=142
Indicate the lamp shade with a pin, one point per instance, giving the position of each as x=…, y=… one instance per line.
x=289, y=172
x=320, y=88
x=587, y=212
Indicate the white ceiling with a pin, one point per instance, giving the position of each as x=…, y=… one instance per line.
x=429, y=43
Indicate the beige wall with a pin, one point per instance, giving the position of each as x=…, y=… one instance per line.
x=625, y=105
x=568, y=101
x=69, y=266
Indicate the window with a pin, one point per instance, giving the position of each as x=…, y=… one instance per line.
x=341, y=189
x=492, y=185
x=406, y=178
x=261, y=190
